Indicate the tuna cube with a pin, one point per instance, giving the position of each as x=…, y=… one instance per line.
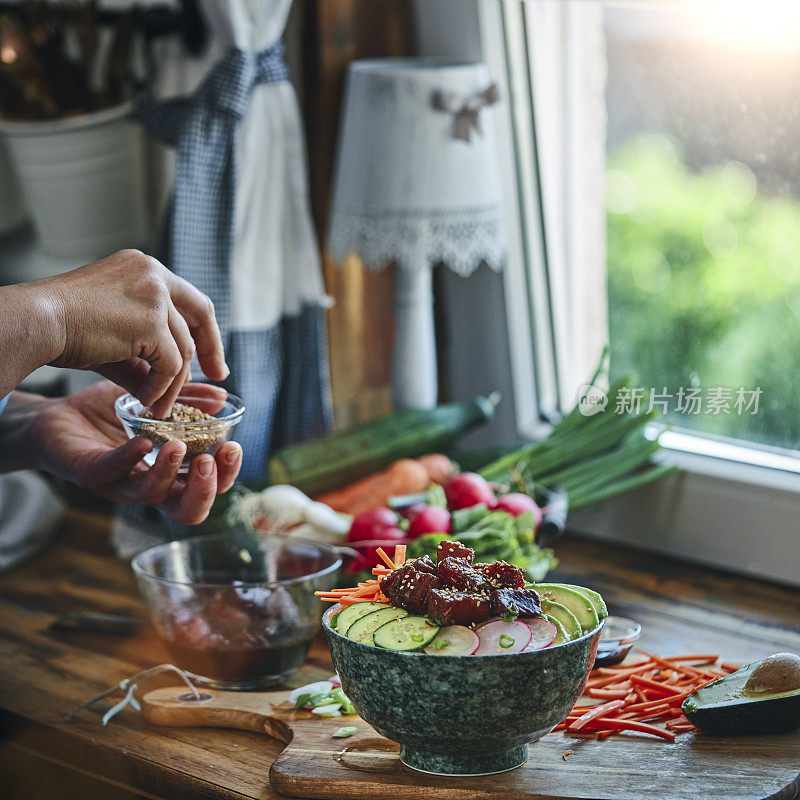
x=457, y=574
x=519, y=602
x=409, y=589
x=452, y=607
x=450, y=549
x=424, y=564
x=502, y=575
x=387, y=581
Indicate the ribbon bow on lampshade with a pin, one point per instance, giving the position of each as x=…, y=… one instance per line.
x=465, y=109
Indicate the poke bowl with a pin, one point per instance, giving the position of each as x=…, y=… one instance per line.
x=456, y=712
x=236, y=610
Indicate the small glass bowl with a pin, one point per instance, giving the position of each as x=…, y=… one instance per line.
x=236, y=610
x=202, y=436
x=618, y=636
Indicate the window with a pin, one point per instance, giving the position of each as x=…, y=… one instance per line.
x=703, y=199
x=653, y=150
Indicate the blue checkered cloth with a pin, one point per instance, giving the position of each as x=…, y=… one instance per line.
x=280, y=373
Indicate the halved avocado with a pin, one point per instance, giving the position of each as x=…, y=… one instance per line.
x=579, y=604
x=726, y=707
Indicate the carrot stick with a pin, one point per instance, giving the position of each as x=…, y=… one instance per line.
x=646, y=683
x=383, y=557
x=608, y=694
x=399, y=554
x=595, y=713
x=606, y=723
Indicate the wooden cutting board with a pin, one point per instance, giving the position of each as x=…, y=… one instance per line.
x=315, y=765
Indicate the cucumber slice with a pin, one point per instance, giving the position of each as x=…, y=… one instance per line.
x=576, y=602
x=562, y=636
x=560, y=613
x=363, y=629
x=407, y=633
x=347, y=616
x=594, y=598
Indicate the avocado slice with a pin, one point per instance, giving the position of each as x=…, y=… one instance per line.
x=565, y=619
x=562, y=636
x=577, y=603
x=595, y=598
x=728, y=705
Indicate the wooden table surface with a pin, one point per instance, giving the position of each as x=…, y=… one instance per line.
x=43, y=674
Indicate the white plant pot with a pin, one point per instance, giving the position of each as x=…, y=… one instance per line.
x=12, y=207
x=84, y=181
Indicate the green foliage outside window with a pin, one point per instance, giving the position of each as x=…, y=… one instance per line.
x=704, y=286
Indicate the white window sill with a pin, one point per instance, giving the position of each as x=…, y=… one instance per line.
x=730, y=506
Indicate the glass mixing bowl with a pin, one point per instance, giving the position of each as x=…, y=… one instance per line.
x=236, y=610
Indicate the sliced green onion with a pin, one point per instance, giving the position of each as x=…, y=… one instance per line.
x=417, y=637
x=302, y=701
x=440, y=644
x=343, y=733
x=505, y=641
x=329, y=710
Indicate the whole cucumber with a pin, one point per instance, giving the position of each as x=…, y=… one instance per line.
x=345, y=456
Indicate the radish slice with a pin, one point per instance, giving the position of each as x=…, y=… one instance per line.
x=498, y=638
x=543, y=634
x=454, y=640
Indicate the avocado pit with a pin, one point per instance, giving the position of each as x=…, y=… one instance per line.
x=775, y=674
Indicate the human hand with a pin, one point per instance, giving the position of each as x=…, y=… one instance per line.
x=79, y=438
x=133, y=321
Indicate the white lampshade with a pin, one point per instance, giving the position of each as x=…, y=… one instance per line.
x=406, y=189
x=417, y=184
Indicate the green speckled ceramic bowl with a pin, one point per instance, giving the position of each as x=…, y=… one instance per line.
x=462, y=715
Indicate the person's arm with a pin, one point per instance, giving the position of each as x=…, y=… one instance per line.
x=31, y=333
x=78, y=438
x=127, y=317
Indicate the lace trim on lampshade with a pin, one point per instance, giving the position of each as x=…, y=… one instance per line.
x=419, y=240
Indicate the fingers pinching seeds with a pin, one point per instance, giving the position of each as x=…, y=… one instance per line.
x=198, y=311
x=166, y=362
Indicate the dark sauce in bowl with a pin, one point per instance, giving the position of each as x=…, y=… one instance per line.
x=251, y=666
x=239, y=637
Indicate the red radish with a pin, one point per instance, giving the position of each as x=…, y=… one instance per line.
x=372, y=524
x=430, y=519
x=454, y=640
x=498, y=637
x=409, y=512
x=516, y=503
x=468, y=489
x=543, y=634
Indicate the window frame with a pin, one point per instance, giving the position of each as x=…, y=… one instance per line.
x=731, y=506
